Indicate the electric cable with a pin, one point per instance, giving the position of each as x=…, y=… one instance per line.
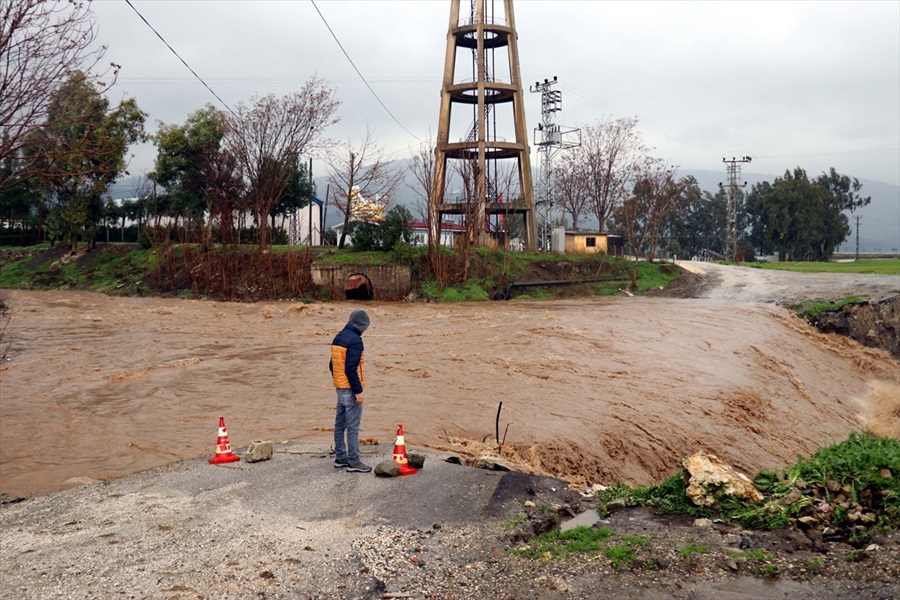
x=200, y=79
x=341, y=46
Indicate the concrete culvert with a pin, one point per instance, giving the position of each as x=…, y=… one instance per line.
x=358, y=287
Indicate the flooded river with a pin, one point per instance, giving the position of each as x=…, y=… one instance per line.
x=596, y=391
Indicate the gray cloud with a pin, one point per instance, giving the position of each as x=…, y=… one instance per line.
x=814, y=84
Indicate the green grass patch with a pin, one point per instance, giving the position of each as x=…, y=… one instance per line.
x=654, y=275
x=620, y=555
x=756, y=554
x=636, y=541
x=12, y=275
x=561, y=543
x=811, y=310
x=691, y=549
x=346, y=256
x=514, y=522
x=472, y=290
x=874, y=266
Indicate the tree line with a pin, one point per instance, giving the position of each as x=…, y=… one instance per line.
x=229, y=176
x=613, y=179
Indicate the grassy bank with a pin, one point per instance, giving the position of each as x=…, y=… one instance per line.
x=874, y=266
x=847, y=493
x=244, y=274
x=851, y=488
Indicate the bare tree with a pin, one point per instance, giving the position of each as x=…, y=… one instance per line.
x=422, y=169
x=661, y=194
x=572, y=191
x=268, y=135
x=612, y=154
x=359, y=171
x=41, y=43
x=656, y=195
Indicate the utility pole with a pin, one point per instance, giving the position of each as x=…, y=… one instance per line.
x=550, y=138
x=733, y=169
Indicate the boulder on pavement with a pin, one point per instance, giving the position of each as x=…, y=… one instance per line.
x=387, y=468
x=415, y=460
x=258, y=450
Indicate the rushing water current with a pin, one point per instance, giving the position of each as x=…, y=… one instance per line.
x=595, y=391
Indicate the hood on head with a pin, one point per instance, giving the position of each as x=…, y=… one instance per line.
x=359, y=320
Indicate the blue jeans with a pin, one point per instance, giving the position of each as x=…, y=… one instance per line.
x=347, y=418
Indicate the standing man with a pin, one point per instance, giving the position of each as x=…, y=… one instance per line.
x=346, y=367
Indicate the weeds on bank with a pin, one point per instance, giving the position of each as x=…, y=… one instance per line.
x=840, y=486
x=812, y=309
x=620, y=555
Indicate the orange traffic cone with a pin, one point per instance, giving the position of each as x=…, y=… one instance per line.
x=400, y=454
x=223, y=447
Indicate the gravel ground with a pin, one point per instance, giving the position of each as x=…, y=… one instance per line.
x=294, y=527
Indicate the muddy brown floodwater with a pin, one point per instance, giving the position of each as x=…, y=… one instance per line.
x=594, y=391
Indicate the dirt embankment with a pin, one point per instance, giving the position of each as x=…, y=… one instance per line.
x=876, y=324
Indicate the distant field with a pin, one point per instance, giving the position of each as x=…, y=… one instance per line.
x=876, y=266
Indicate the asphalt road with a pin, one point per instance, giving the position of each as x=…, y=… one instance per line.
x=191, y=529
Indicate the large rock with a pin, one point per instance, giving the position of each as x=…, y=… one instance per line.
x=387, y=468
x=415, y=460
x=711, y=479
x=257, y=451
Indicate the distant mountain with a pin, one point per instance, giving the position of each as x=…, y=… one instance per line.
x=879, y=228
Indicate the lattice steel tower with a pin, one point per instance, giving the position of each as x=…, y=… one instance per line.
x=494, y=174
x=733, y=169
x=550, y=138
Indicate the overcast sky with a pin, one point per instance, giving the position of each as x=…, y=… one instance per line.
x=809, y=84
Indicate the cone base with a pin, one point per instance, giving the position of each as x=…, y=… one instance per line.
x=407, y=470
x=224, y=458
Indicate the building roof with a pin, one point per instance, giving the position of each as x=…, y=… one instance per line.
x=444, y=226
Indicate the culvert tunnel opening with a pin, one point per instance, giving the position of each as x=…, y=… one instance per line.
x=358, y=287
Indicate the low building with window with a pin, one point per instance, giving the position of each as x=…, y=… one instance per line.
x=585, y=242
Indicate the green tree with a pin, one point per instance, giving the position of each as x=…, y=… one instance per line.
x=41, y=43
x=844, y=190
x=392, y=230
x=395, y=227
x=365, y=234
x=799, y=218
x=16, y=202
x=199, y=176
x=79, y=119
x=699, y=224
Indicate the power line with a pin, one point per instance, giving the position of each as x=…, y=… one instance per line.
x=200, y=79
x=341, y=46
x=664, y=131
